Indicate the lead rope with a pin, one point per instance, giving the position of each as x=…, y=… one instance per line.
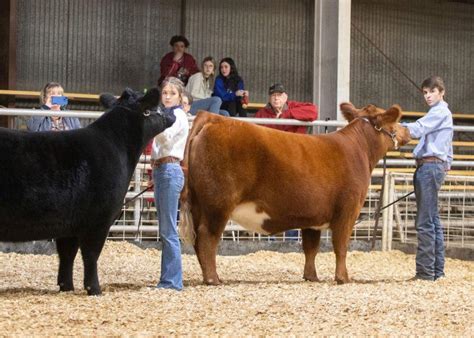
x=130, y=200
x=122, y=211
x=137, y=238
x=379, y=205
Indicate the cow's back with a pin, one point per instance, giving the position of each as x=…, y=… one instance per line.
x=286, y=175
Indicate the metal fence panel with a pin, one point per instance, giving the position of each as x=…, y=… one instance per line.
x=456, y=210
x=456, y=201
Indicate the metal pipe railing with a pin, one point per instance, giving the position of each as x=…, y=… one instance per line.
x=317, y=123
x=97, y=114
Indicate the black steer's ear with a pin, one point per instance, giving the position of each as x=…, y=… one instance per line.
x=127, y=94
x=129, y=97
x=151, y=99
x=348, y=110
x=107, y=100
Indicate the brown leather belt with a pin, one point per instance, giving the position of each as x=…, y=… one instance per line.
x=428, y=159
x=163, y=160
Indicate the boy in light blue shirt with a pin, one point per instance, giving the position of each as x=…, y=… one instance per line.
x=433, y=155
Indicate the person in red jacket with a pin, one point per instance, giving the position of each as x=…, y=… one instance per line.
x=279, y=107
x=178, y=63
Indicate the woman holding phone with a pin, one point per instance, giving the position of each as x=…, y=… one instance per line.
x=51, y=98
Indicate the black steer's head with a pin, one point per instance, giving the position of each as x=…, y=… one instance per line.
x=142, y=111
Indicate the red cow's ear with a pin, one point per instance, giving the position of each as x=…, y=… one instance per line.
x=391, y=115
x=348, y=110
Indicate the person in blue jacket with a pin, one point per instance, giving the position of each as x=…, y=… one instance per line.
x=229, y=86
x=52, y=123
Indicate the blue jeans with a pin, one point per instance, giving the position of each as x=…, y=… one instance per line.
x=291, y=235
x=211, y=104
x=168, y=179
x=430, y=252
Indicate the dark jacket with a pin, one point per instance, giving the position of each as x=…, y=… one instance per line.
x=169, y=67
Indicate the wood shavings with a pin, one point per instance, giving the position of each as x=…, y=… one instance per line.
x=263, y=294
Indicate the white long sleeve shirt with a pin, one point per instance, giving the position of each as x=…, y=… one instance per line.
x=199, y=87
x=172, y=141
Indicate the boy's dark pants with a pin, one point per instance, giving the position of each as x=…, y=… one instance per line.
x=427, y=181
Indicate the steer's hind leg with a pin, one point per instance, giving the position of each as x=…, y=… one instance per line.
x=311, y=240
x=91, y=247
x=208, y=235
x=67, y=251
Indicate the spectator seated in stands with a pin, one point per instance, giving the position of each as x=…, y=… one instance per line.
x=186, y=102
x=279, y=107
x=54, y=123
x=178, y=63
x=200, y=85
x=229, y=86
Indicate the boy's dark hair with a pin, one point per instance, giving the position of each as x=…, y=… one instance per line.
x=433, y=82
x=179, y=38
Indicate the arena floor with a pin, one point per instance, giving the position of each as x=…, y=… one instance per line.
x=264, y=294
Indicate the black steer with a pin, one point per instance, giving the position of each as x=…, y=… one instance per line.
x=70, y=185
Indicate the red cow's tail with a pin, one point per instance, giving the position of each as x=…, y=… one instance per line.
x=186, y=226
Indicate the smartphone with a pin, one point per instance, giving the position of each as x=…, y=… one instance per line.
x=59, y=100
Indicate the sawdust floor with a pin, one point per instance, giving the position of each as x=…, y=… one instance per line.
x=264, y=294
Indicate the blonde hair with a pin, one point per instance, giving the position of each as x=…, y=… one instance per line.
x=47, y=89
x=212, y=78
x=174, y=82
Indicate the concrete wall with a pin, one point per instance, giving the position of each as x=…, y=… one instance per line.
x=230, y=248
x=419, y=38
x=94, y=46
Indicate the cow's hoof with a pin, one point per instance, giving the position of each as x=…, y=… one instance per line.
x=213, y=281
x=93, y=291
x=340, y=281
x=311, y=278
x=65, y=288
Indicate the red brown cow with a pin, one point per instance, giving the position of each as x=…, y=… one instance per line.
x=271, y=181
